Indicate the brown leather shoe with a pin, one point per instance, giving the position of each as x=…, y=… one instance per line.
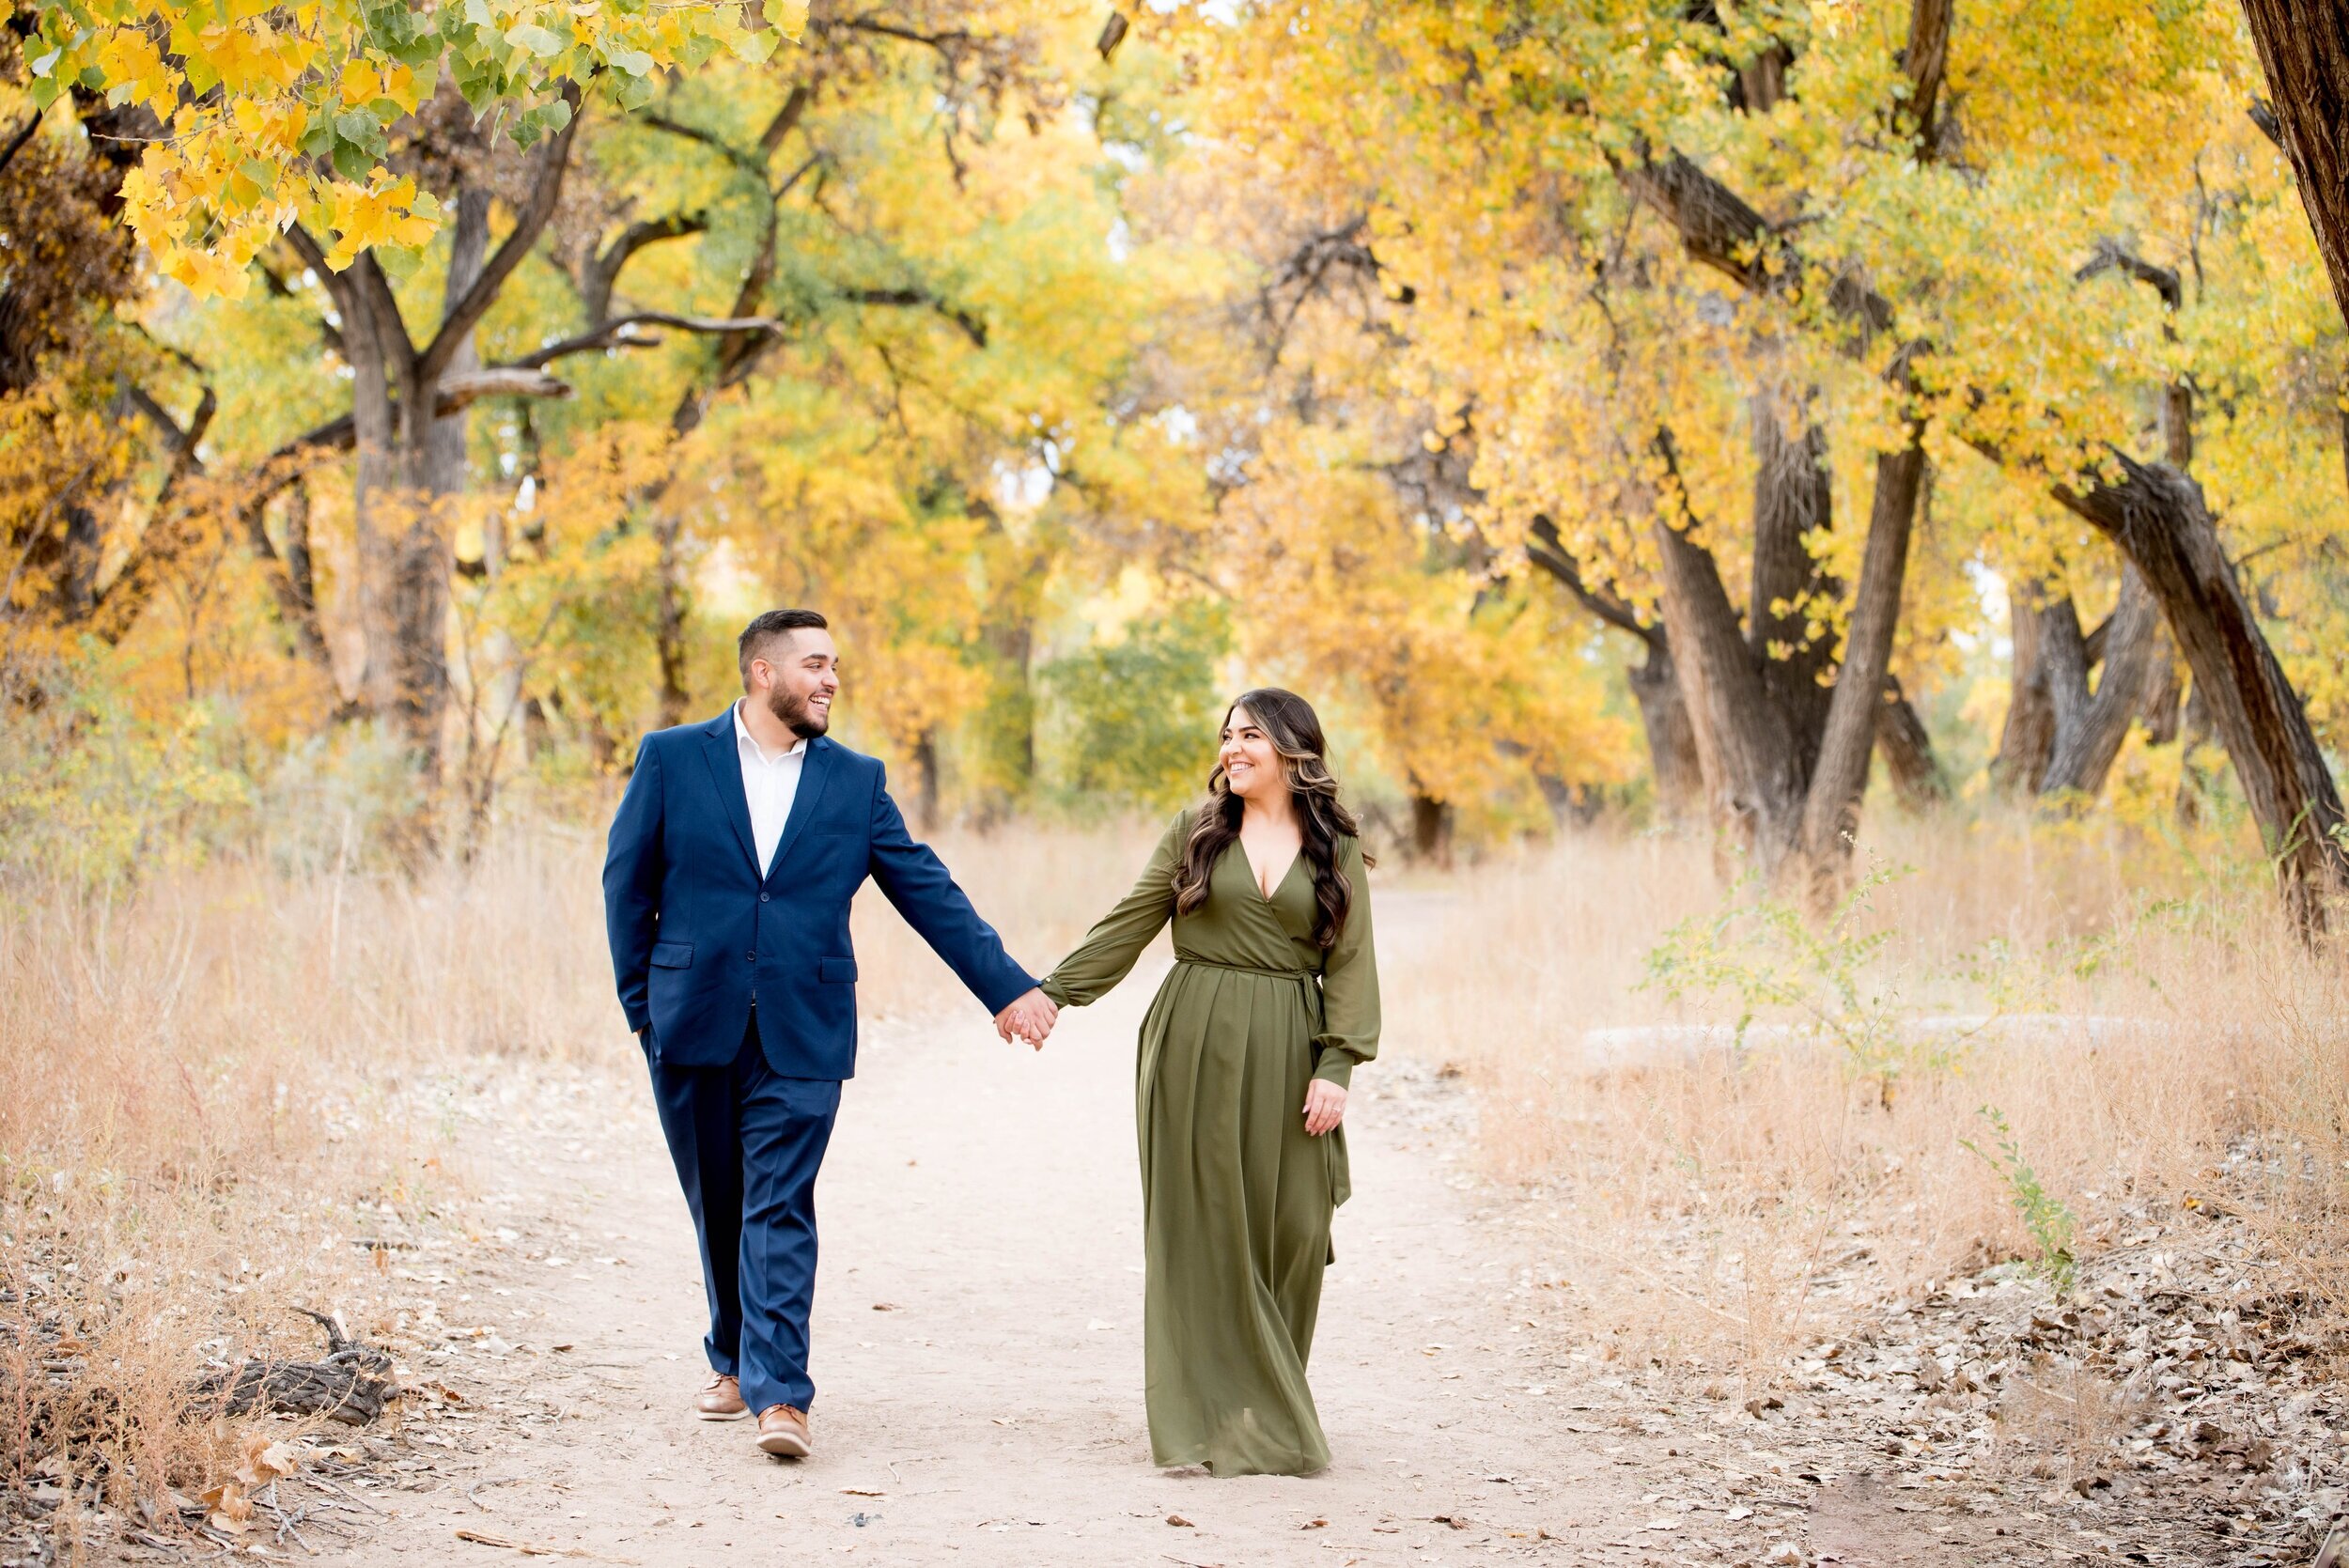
x=783, y=1432
x=721, y=1400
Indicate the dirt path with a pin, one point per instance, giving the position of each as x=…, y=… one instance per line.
x=987, y=1197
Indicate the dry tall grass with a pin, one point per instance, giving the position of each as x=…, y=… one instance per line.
x=210, y=1088
x=2135, y=1016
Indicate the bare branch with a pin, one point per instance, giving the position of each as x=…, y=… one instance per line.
x=617, y=333
x=1113, y=33
x=2264, y=116
x=2111, y=255
x=971, y=327
x=603, y=270
x=1549, y=551
x=16, y=142
x=787, y=118
x=655, y=120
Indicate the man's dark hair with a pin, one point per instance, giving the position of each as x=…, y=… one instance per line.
x=766, y=628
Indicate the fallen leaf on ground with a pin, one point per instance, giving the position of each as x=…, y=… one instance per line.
x=1314, y=1524
x=861, y=1492
x=1178, y=1519
x=228, y=1508
x=264, y=1462
x=884, y=1306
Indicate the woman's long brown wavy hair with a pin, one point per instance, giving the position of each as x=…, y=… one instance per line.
x=1295, y=730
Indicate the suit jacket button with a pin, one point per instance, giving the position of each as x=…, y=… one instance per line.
x=750, y=957
x=762, y=898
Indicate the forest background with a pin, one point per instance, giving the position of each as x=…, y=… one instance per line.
x=1875, y=475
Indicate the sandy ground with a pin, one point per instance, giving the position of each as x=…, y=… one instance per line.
x=978, y=1346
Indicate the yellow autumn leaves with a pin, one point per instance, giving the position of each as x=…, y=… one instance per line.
x=271, y=115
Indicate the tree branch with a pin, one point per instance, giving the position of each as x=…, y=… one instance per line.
x=971, y=327
x=787, y=118
x=1548, y=552
x=616, y=333
x=655, y=120
x=1926, y=61
x=553, y=160
x=2110, y=255
x=603, y=269
x=16, y=142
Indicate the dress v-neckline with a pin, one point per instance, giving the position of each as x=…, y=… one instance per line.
x=1287, y=872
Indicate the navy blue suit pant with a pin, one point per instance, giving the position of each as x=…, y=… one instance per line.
x=748, y=1143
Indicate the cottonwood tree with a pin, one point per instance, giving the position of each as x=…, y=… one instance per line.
x=1614, y=244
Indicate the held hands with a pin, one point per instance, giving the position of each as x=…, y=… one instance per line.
x=1325, y=1106
x=1030, y=1018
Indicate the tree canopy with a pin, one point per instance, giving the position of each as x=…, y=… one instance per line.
x=1680, y=404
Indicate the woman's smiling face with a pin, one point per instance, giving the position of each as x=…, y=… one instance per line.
x=1250, y=764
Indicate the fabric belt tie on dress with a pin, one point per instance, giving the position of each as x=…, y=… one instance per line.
x=1309, y=992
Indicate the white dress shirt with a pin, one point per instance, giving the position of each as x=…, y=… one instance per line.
x=770, y=783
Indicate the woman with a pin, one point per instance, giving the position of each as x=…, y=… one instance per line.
x=1246, y=1054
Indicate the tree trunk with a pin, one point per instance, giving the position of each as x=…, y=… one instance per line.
x=1831, y=812
x=2029, y=738
x=1907, y=747
x=669, y=622
x=432, y=475
x=926, y=782
x=2158, y=518
x=2165, y=691
x=1749, y=757
x=1793, y=495
x=1671, y=740
x=2304, y=49
x=2061, y=737
x=411, y=459
x=1431, y=830
x=2089, y=728
x=2194, y=731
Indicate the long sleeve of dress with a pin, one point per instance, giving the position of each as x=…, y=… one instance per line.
x=1108, y=952
x=1349, y=983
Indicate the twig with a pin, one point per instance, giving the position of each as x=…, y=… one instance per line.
x=488, y=1481
x=317, y=1480
x=533, y=1548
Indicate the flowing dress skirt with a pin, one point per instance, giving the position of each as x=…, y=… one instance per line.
x=1237, y=1201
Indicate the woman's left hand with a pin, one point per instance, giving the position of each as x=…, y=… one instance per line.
x=1325, y=1106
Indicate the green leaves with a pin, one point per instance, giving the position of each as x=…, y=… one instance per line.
x=538, y=40
x=356, y=142
x=547, y=119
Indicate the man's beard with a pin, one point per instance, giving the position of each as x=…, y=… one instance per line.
x=794, y=710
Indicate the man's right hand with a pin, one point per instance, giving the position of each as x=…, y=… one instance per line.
x=1030, y=1017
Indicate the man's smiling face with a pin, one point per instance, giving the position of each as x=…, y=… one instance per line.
x=798, y=676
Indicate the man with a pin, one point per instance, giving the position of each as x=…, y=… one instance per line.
x=733, y=859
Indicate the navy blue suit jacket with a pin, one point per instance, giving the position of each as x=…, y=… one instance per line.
x=698, y=934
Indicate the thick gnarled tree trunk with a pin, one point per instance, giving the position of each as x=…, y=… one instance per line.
x=2158, y=519
x=2304, y=49
x=410, y=436
x=2061, y=738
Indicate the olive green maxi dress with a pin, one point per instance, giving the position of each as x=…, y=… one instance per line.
x=1235, y=1197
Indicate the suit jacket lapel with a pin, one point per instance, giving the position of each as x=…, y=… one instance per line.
x=726, y=773
x=814, y=768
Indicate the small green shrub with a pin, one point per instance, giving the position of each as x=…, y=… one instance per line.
x=2051, y=1224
